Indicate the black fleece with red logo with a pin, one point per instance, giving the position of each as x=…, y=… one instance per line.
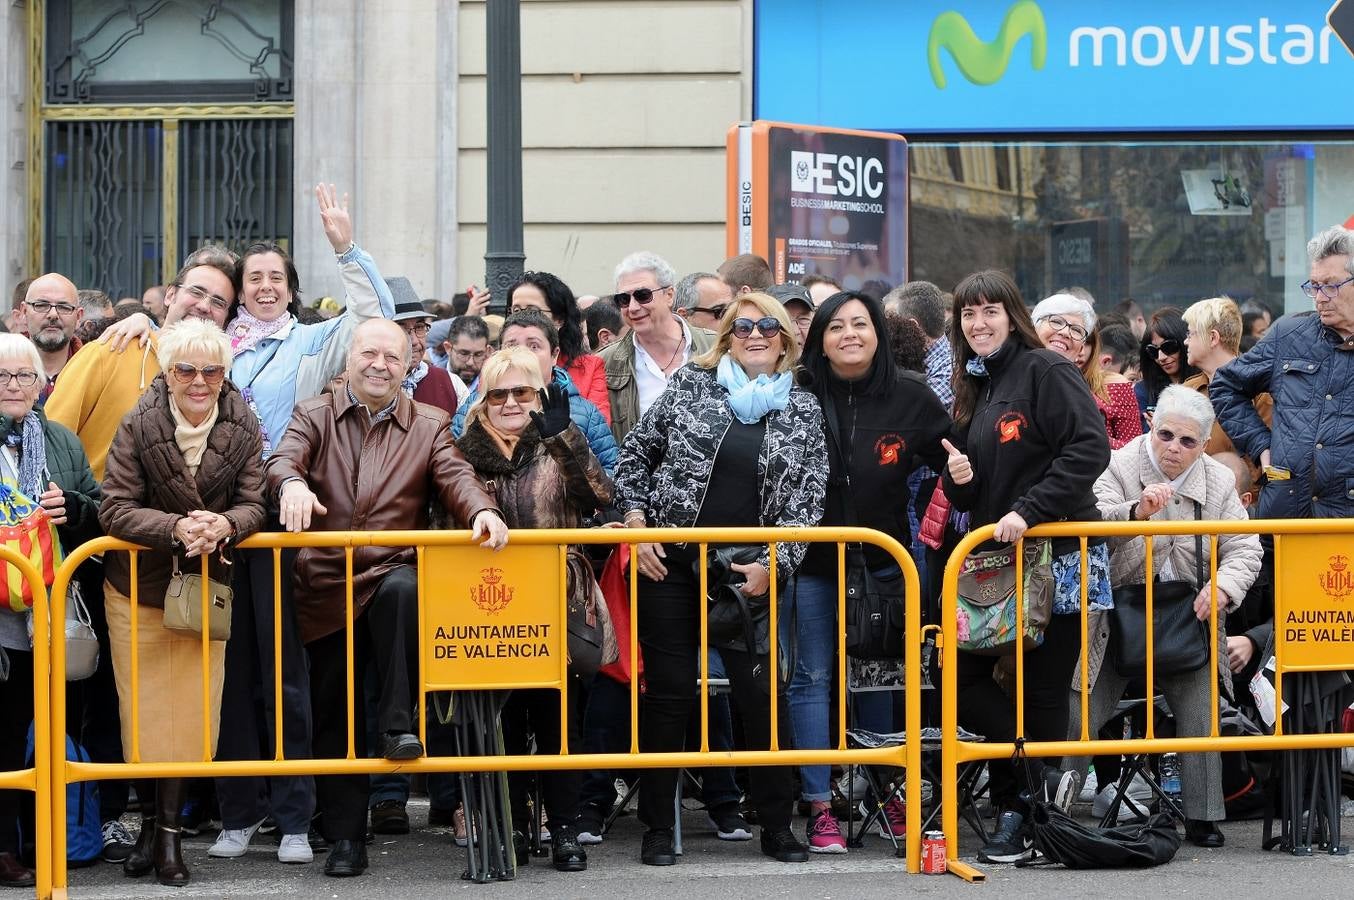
x=1036, y=443
x=886, y=435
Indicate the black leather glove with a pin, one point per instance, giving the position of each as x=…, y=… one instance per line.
x=554, y=415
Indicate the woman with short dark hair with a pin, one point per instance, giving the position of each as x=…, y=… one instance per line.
x=549, y=294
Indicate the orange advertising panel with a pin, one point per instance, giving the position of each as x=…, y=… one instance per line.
x=1314, y=621
x=492, y=619
x=825, y=201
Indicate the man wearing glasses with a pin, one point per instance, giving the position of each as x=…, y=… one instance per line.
x=659, y=343
x=51, y=311
x=1307, y=364
x=701, y=299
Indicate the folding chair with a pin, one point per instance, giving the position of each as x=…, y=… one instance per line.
x=1146, y=765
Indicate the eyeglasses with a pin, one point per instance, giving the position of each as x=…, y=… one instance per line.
x=199, y=294
x=25, y=379
x=640, y=295
x=186, y=374
x=43, y=307
x=768, y=326
x=716, y=311
x=1076, y=332
x=498, y=396
x=1165, y=435
x=1165, y=348
x=470, y=355
x=419, y=328
x=1311, y=288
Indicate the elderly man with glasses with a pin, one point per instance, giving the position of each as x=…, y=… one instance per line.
x=639, y=365
x=51, y=311
x=1306, y=363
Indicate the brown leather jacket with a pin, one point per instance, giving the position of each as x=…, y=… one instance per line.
x=368, y=478
x=146, y=488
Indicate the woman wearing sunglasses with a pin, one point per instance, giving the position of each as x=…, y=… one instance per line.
x=884, y=423
x=521, y=441
x=185, y=479
x=731, y=442
x=1164, y=360
x=1067, y=326
x=1165, y=476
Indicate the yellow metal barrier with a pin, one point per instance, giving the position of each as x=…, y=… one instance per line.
x=426, y=542
x=1287, y=597
x=38, y=777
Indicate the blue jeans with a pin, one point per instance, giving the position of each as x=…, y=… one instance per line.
x=813, y=599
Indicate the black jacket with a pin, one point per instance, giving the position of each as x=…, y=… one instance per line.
x=1036, y=442
x=885, y=435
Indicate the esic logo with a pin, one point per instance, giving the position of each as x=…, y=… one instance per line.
x=1337, y=581
x=1009, y=426
x=836, y=176
x=490, y=594
x=984, y=62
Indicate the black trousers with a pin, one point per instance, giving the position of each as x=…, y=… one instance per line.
x=536, y=712
x=669, y=635
x=386, y=637
x=16, y=715
x=987, y=710
x=247, y=700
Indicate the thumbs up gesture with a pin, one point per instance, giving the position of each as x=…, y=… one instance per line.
x=960, y=469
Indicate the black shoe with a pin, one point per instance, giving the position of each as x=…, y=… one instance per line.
x=389, y=817
x=139, y=861
x=521, y=848
x=729, y=825
x=1203, y=834
x=400, y=745
x=117, y=841
x=13, y=873
x=317, y=842
x=566, y=853
x=1011, y=843
x=781, y=845
x=346, y=859
x=657, y=850
x=441, y=818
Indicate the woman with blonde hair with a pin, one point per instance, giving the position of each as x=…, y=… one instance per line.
x=184, y=478
x=523, y=444
x=732, y=441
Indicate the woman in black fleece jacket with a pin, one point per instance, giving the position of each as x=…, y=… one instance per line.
x=1031, y=445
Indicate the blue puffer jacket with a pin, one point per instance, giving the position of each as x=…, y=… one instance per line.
x=583, y=411
x=1309, y=370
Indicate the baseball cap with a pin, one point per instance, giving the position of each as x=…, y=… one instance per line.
x=791, y=293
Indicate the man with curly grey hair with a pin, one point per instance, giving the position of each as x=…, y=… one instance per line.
x=1306, y=362
x=659, y=343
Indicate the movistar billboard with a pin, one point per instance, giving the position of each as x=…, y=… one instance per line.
x=1041, y=65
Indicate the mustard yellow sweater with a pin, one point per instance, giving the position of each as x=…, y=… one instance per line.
x=96, y=389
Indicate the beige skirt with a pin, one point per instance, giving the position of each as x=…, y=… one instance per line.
x=169, y=678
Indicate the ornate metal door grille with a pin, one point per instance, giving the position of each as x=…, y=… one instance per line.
x=235, y=182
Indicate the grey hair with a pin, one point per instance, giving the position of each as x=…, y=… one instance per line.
x=644, y=261
x=1065, y=305
x=687, y=296
x=18, y=346
x=920, y=300
x=1334, y=241
x=1185, y=403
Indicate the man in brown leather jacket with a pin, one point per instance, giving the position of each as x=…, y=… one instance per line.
x=367, y=458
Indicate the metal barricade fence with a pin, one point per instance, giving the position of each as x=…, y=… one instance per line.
x=442, y=560
x=1297, y=548
x=38, y=777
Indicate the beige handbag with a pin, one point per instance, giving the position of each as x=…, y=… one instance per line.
x=183, y=605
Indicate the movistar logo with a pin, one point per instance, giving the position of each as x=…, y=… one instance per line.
x=984, y=62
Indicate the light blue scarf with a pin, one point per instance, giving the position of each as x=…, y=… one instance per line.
x=751, y=399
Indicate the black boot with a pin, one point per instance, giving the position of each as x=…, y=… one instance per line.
x=167, y=852
x=139, y=861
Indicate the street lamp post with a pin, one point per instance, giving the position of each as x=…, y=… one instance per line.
x=504, y=250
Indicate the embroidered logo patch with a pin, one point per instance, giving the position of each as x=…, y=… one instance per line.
x=889, y=448
x=1010, y=425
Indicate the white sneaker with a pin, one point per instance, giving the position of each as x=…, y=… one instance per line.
x=233, y=843
x=295, y=848
x=1089, y=788
x=1136, y=800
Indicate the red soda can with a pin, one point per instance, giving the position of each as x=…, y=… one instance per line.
x=933, y=853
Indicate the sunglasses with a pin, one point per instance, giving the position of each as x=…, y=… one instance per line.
x=1165, y=435
x=768, y=326
x=186, y=374
x=716, y=311
x=499, y=396
x=1165, y=348
x=639, y=295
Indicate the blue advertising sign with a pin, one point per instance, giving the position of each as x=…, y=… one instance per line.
x=1050, y=65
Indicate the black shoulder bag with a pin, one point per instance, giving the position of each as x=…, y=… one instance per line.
x=1179, y=639
x=876, y=610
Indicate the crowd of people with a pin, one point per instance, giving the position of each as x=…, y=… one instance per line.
x=220, y=406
